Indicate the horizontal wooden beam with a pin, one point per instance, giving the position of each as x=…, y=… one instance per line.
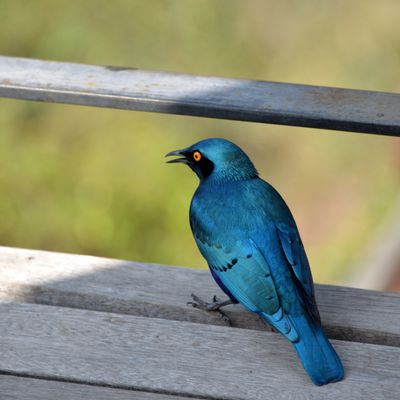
x=236, y=99
x=156, y=291
x=179, y=358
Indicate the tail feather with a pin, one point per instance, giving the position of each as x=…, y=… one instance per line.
x=282, y=324
x=316, y=353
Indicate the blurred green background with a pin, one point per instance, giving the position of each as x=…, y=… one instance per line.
x=93, y=181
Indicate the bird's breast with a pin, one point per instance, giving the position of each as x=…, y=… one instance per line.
x=224, y=212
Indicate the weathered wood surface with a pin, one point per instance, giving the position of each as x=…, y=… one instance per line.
x=21, y=388
x=150, y=354
x=237, y=99
x=163, y=292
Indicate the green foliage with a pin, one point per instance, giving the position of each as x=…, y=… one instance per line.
x=94, y=181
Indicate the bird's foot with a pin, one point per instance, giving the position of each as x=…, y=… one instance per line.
x=215, y=305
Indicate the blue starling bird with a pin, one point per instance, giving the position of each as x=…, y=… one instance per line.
x=247, y=234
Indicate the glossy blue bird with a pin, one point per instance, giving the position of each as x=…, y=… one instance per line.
x=247, y=234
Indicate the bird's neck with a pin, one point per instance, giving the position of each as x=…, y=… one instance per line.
x=217, y=185
x=225, y=176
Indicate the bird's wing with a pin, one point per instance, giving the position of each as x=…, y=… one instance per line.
x=296, y=257
x=245, y=272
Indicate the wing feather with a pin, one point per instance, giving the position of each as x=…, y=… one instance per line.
x=295, y=254
x=249, y=279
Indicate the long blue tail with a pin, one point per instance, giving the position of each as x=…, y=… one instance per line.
x=317, y=355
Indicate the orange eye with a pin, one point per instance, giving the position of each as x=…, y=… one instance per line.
x=197, y=156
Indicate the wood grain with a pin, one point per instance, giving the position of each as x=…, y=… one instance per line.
x=237, y=99
x=149, y=354
x=21, y=388
x=162, y=292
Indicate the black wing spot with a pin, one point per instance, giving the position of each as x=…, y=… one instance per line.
x=267, y=275
x=248, y=255
x=270, y=297
x=228, y=266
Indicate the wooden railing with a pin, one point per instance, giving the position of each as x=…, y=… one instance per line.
x=244, y=100
x=76, y=326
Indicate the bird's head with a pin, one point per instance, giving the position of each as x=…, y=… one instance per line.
x=216, y=160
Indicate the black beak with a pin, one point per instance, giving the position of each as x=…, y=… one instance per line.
x=183, y=160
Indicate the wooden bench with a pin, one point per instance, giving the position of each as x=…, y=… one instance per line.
x=82, y=327
x=77, y=326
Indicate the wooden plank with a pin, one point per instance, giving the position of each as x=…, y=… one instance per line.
x=183, y=358
x=163, y=292
x=21, y=388
x=237, y=99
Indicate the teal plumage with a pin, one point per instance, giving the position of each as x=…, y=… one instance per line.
x=247, y=234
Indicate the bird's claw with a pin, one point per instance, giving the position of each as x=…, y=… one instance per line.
x=215, y=305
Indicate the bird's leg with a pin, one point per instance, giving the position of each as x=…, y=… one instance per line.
x=215, y=305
